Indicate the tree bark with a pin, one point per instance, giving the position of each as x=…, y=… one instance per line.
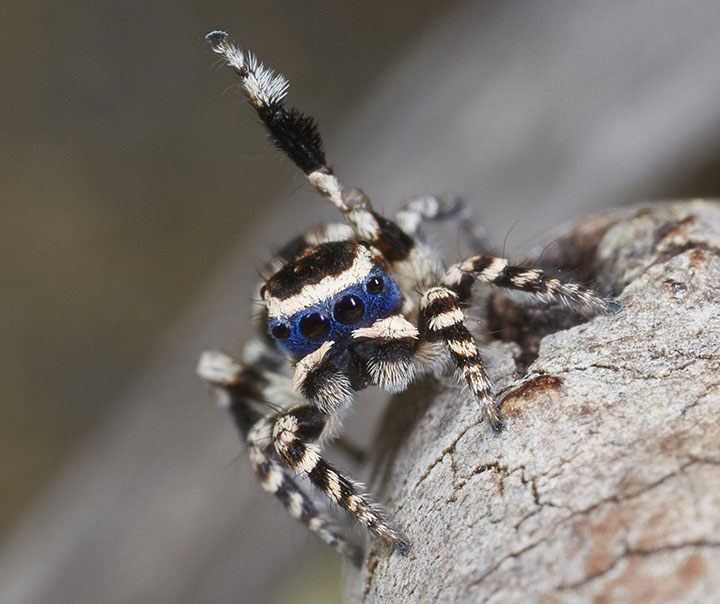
x=605, y=486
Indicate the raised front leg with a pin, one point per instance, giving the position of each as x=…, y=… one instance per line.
x=298, y=136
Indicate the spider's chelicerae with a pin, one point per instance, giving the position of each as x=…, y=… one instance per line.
x=350, y=305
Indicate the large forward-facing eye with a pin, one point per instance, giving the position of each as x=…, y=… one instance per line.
x=349, y=310
x=281, y=331
x=315, y=326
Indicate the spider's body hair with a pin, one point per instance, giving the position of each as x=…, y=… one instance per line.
x=293, y=133
x=316, y=274
x=353, y=305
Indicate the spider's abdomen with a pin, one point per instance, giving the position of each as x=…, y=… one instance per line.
x=326, y=293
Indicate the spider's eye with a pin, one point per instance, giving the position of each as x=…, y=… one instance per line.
x=315, y=326
x=375, y=285
x=281, y=331
x=349, y=310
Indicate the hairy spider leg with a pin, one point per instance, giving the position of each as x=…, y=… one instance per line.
x=241, y=385
x=442, y=318
x=294, y=432
x=390, y=352
x=418, y=210
x=498, y=271
x=298, y=136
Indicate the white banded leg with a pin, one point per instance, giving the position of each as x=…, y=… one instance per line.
x=293, y=433
x=276, y=478
x=295, y=134
x=415, y=212
x=498, y=271
x=411, y=217
x=241, y=385
x=443, y=319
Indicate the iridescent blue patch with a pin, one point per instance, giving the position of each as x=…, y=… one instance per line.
x=376, y=306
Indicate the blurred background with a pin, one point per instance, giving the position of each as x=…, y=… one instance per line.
x=140, y=197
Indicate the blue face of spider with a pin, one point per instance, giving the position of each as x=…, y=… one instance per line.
x=325, y=294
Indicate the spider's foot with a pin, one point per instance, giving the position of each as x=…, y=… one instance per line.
x=497, y=425
x=396, y=540
x=613, y=306
x=402, y=546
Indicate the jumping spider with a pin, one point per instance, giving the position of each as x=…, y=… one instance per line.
x=350, y=305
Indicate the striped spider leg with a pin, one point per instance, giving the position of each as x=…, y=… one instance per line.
x=346, y=307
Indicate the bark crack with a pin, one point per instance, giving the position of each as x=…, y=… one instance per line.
x=630, y=552
x=593, y=448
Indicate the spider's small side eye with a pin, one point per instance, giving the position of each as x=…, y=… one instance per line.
x=315, y=326
x=375, y=285
x=281, y=331
x=349, y=310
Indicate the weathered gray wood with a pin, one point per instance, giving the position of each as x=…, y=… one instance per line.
x=605, y=487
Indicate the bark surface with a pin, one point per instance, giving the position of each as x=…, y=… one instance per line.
x=605, y=486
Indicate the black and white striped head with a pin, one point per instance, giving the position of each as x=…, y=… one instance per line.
x=326, y=293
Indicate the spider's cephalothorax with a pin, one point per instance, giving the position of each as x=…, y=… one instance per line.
x=327, y=293
x=351, y=305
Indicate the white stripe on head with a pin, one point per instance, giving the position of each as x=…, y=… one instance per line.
x=326, y=288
